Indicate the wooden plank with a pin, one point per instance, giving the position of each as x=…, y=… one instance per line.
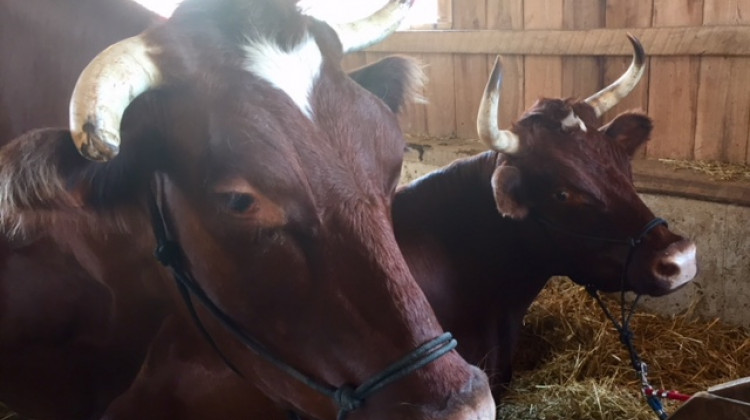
x=627, y=14
x=508, y=15
x=543, y=75
x=581, y=76
x=654, y=177
x=722, y=124
x=353, y=61
x=674, y=87
x=726, y=12
x=470, y=71
x=731, y=41
x=440, y=93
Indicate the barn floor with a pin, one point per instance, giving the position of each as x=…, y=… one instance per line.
x=573, y=365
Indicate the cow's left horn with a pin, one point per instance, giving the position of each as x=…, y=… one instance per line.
x=107, y=85
x=611, y=95
x=360, y=34
x=503, y=141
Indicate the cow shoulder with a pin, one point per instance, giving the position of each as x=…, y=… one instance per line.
x=396, y=80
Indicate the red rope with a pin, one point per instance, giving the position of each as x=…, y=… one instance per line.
x=663, y=393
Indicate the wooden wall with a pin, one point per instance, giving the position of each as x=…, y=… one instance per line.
x=697, y=86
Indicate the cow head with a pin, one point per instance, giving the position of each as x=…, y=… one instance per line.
x=275, y=172
x=572, y=178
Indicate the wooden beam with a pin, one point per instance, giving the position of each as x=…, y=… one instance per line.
x=654, y=177
x=669, y=41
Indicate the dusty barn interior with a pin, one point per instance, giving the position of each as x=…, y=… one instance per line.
x=570, y=361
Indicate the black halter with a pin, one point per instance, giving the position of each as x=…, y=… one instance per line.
x=623, y=326
x=346, y=397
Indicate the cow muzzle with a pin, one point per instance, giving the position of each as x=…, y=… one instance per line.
x=474, y=402
x=676, y=265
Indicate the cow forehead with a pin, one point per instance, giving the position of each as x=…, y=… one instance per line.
x=293, y=71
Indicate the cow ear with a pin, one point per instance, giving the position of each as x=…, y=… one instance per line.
x=32, y=179
x=506, y=186
x=396, y=80
x=630, y=130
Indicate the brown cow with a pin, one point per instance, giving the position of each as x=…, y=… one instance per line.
x=563, y=187
x=273, y=173
x=565, y=195
x=44, y=45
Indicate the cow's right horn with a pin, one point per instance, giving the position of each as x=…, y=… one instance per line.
x=360, y=34
x=503, y=141
x=611, y=95
x=105, y=88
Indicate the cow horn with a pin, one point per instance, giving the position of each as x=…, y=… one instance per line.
x=611, y=95
x=503, y=141
x=360, y=34
x=105, y=88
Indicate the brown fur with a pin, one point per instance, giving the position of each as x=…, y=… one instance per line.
x=325, y=287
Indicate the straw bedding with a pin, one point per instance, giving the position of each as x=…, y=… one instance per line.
x=571, y=364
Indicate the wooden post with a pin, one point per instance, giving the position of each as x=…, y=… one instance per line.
x=470, y=70
x=543, y=74
x=508, y=14
x=723, y=117
x=674, y=86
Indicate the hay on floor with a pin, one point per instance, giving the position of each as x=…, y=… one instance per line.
x=572, y=365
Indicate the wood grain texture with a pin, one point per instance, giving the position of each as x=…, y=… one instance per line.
x=441, y=95
x=659, y=41
x=470, y=71
x=674, y=86
x=722, y=122
x=353, y=61
x=581, y=76
x=628, y=14
x=543, y=75
x=508, y=15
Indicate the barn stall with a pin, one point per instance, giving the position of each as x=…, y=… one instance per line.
x=694, y=173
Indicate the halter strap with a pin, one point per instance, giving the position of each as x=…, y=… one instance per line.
x=347, y=398
x=623, y=327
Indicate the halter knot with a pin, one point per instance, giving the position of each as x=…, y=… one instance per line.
x=167, y=252
x=346, y=398
x=626, y=336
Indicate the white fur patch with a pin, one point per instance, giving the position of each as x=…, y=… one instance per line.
x=294, y=72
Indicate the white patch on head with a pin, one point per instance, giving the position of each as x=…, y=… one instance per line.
x=294, y=72
x=573, y=121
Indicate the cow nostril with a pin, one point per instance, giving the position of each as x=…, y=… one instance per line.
x=667, y=268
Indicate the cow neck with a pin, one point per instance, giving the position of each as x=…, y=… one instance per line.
x=347, y=398
x=623, y=325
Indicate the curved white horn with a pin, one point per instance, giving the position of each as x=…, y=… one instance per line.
x=360, y=34
x=503, y=141
x=611, y=95
x=107, y=85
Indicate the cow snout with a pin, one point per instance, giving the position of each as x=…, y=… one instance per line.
x=474, y=402
x=677, y=265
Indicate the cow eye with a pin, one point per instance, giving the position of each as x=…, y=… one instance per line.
x=562, y=196
x=238, y=202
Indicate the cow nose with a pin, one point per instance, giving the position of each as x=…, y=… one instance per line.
x=677, y=264
x=475, y=401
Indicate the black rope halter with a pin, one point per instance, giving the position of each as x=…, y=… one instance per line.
x=347, y=398
x=623, y=326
